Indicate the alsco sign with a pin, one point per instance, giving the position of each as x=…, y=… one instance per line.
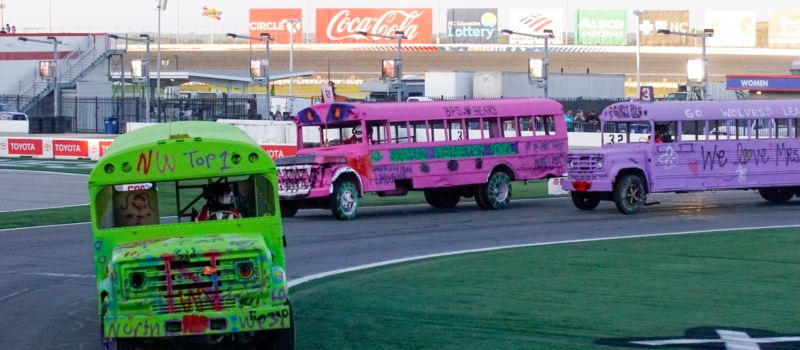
x=601, y=27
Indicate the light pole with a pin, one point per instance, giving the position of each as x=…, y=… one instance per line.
x=146, y=71
x=707, y=33
x=398, y=63
x=291, y=23
x=548, y=34
x=56, y=88
x=266, y=38
x=161, y=5
x=638, y=53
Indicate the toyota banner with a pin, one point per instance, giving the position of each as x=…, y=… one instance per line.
x=650, y=22
x=342, y=25
x=277, y=23
x=477, y=26
x=601, y=27
x=784, y=29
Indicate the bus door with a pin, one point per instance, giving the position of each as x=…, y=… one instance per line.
x=669, y=159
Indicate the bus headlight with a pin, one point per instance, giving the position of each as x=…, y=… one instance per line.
x=137, y=280
x=599, y=164
x=245, y=270
x=572, y=163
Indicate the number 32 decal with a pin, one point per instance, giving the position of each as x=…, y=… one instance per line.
x=616, y=138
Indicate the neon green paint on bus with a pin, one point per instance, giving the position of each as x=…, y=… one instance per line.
x=188, y=238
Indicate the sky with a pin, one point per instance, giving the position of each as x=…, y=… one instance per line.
x=121, y=16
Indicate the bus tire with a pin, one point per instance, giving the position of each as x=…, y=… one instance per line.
x=584, y=201
x=112, y=343
x=279, y=339
x=344, y=199
x=288, y=209
x=776, y=195
x=629, y=194
x=441, y=199
x=496, y=193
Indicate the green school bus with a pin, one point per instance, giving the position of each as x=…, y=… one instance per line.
x=188, y=244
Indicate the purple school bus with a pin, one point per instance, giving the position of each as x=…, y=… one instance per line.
x=651, y=147
x=448, y=149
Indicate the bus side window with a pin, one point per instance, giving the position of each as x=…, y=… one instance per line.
x=455, y=131
x=665, y=132
x=376, y=132
x=782, y=128
x=418, y=132
x=509, y=127
x=545, y=125
x=690, y=130
x=473, y=129
x=797, y=128
x=526, y=127
x=398, y=132
x=490, y=128
x=437, y=130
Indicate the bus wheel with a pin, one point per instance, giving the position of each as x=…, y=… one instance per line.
x=496, y=193
x=344, y=200
x=279, y=339
x=584, y=201
x=441, y=199
x=288, y=209
x=776, y=195
x=111, y=343
x=629, y=194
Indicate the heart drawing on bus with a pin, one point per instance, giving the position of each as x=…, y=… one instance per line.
x=693, y=166
x=747, y=154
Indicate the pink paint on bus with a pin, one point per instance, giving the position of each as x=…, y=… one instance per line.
x=448, y=149
x=695, y=146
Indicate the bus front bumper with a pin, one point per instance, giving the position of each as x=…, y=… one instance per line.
x=249, y=319
x=587, y=185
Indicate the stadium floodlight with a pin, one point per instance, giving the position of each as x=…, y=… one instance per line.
x=399, y=35
x=546, y=35
x=263, y=70
x=707, y=33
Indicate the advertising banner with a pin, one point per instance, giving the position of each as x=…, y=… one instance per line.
x=784, y=29
x=71, y=148
x=279, y=151
x=472, y=26
x=601, y=27
x=276, y=23
x=732, y=28
x=25, y=147
x=650, y=22
x=533, y=21
x=343, y=25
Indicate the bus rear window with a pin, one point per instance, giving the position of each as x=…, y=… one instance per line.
x=224, y=198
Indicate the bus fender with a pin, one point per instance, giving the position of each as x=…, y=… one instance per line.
x=502, y=165
x=103, y=288
x=346, y=170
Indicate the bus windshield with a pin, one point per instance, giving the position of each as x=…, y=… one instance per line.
x=221, y=198
x=315, y=136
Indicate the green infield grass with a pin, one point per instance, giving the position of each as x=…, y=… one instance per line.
x=565, y=296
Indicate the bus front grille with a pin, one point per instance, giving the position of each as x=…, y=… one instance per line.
x=296, y=180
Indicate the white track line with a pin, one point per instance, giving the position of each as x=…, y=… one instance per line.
x=45, y=208
x=309, y=278
x=43, y=171
x=24, y=290
x=47, y=274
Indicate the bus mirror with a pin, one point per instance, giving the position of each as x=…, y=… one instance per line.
x=133, y=187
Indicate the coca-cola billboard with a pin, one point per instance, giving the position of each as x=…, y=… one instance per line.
x=343, y=25
x=277, y=23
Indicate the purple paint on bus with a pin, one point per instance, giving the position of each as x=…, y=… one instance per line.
x=696, y=146
x=448, y=149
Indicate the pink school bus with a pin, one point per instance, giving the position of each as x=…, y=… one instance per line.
x=689, y=146
x=449, y=150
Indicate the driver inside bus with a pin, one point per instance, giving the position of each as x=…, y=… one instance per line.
x=355, y=138
x=221, y=203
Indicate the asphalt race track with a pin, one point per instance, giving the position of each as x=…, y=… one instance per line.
x=34, y=190
x=47, y=297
